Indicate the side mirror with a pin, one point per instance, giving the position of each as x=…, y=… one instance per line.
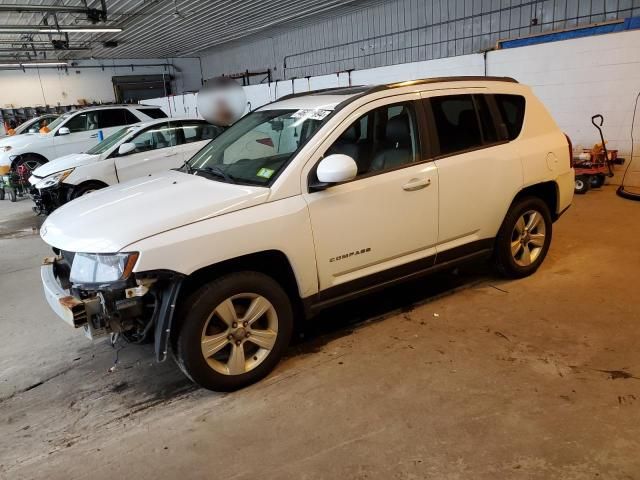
x=126, y=148
x=335, y=168
x=64, y=131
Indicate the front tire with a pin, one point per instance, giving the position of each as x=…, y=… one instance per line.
x=2, y=193
x=13, y=195
x=85, y=189
x=235, y=330
x=524, y=238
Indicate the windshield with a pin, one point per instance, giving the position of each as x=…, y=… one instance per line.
x=58, y=121
x=257, y=147
x=109, y=142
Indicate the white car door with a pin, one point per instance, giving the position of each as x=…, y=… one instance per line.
x=156, y=150
x=83, y=135
x=479, y=174
x=385, y=221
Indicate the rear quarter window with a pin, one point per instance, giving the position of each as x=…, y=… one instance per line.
x=511, y=109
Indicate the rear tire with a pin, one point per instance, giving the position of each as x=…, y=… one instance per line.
x=2, y=194
x=524, y=238
x=13, y=196
x=583, y=184
x=226, y=317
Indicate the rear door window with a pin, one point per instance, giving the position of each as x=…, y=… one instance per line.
x=489, y=133
x=456, y=123
x=511, y=109
x=115, y=117
x=153, y=112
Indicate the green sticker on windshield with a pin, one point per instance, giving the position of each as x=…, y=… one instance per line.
x=265, y=173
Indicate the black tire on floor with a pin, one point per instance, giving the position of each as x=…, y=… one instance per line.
x=504, y=260
x=597, y=180
x=13, y=196
x=583, y=184
x=2, y=193
x=195, y=311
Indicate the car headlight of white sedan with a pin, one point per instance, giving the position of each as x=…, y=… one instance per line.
x=53, y=179
x=102, y=267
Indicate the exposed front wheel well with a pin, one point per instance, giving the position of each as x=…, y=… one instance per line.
x=546, y=191
x=85, y=187
x=273, y=263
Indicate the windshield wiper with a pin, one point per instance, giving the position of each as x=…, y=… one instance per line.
x=216, y=171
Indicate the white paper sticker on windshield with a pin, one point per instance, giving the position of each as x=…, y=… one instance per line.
x=312, y=114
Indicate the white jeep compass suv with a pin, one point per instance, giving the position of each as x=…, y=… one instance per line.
x=306, y=202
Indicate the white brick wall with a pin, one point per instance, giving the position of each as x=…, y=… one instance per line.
x=579, y=78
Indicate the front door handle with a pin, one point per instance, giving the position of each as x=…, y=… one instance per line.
x=416, y=184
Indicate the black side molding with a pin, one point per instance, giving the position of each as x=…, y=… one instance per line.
x=477, y=250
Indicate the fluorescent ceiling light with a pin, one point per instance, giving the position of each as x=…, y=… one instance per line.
x=34, y=64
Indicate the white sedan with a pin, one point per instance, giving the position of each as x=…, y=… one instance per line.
x=131, y=152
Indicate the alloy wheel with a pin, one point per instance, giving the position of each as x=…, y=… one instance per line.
x=528, y=238
x=239, y=334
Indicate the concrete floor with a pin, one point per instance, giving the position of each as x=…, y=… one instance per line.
x=456, y=376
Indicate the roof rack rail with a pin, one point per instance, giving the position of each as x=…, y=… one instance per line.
x=315, y=92
x=459, y=78
x=366, y=90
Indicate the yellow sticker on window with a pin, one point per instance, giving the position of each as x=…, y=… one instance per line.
x=265, y=173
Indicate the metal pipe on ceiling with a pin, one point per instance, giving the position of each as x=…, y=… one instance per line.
x=25, y=42
x=57, y=29
x=70, y=65
x=12, y=50
x=43, y=8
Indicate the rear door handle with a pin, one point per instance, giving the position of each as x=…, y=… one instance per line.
x=95, y=135
x=416, y=184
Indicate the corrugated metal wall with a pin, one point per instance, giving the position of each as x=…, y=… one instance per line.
x=401, y=31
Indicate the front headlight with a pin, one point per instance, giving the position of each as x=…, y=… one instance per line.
x=101, y=267
x=6, y=148
x=54, y=178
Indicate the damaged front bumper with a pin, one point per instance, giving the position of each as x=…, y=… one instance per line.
x=48, y=199
x=142, y=308
x=76, y=312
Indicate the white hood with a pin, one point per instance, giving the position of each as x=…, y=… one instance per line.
x=108, y=220
x=64, y=163
x=24, y=140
